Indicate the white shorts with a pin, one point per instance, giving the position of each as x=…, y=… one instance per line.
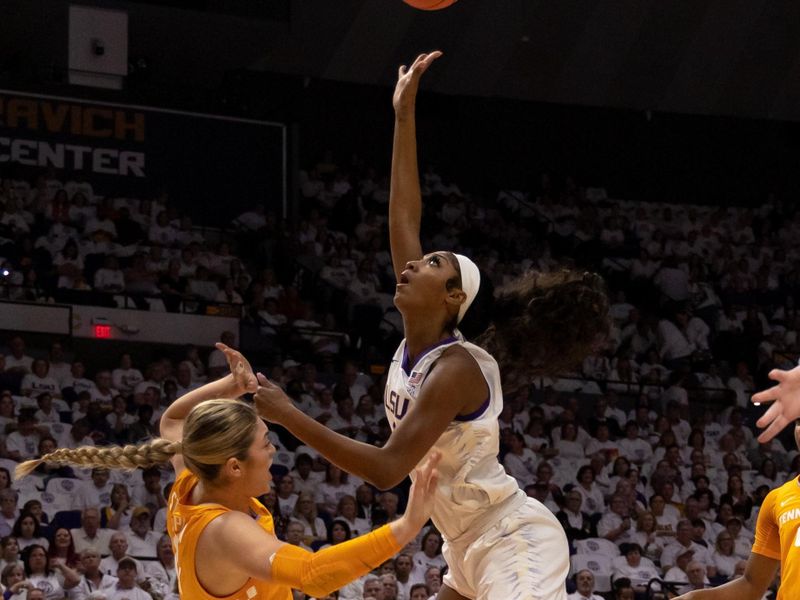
x=524, y=556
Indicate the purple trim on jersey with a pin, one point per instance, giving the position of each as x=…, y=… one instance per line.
x=407, y=368
x=474, y=415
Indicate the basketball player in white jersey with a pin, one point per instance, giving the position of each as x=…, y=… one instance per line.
x=444, y=393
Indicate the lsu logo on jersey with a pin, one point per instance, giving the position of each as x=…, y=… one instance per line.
x=395, y=405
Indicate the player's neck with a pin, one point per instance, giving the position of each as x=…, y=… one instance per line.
x=420, y=336
x=204, y=493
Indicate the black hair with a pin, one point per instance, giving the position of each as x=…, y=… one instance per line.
x=546, y=323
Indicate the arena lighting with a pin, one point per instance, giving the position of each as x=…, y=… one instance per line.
x=101, y=328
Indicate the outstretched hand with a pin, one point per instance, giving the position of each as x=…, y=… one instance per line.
x=241, y=370
x=423, y=492
x=271, y=401
x=405, y=91
x=785, y=398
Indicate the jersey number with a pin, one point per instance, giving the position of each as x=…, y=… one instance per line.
x=396, y=405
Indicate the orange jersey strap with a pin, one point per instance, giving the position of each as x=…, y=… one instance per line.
x=329, y=569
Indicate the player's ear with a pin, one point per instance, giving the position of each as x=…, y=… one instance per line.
x=456, y=297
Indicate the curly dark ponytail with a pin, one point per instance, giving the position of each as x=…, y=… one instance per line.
x=547, y=323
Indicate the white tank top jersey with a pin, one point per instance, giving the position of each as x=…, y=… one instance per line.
x=473, y=487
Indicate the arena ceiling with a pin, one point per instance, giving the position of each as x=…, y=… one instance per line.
x=728, y=57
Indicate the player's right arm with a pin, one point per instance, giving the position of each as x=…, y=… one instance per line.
x=758, y=575
x=233, y=548
x=456, y=386
x=405, y=198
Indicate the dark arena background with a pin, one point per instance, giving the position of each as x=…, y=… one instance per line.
x=174, y=174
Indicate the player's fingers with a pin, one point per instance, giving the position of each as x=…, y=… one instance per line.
x=774, y=429
x=765, y=395
x=402, y=71
x=777, y=375
x=221, y=346
x=432, y=481
x=263, y=381
x=772, y=413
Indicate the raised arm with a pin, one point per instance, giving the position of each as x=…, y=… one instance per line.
x=455, y=386
x=239, y=381
x=405, y=199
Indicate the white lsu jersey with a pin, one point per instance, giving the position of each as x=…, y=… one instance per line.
x=473, y=486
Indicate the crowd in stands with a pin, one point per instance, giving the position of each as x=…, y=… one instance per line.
x=645, y=452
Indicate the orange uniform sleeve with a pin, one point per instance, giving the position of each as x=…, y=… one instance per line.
x=329, y=569
x=768, y=540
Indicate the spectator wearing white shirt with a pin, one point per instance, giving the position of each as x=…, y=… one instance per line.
x=16, y=359
x=639, y=569
x=675, y=345
x=93, y=578
x=96, y=492
x=683, y=543
x=161, y=573
x=116, y=550
x=634, y=448
x=584, y=584
x=127, y=588
x=142, y=541
x=126, y=377
x=615, y=524
x=59, y=368
x=47, y=413
x=89, y=534
x=23, y=443
x=109, y=278
x=76, y=382
x=39, y=380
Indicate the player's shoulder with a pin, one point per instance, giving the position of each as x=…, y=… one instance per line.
x=782, y=495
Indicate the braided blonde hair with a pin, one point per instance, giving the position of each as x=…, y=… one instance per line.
x=213, y=432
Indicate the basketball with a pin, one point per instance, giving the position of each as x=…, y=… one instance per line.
x=430, y=4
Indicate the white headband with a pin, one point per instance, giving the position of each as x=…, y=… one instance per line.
x=470, y=282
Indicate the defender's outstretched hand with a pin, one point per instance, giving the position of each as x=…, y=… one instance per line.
x=240, y=369
x=408, y=83
x=785, y=398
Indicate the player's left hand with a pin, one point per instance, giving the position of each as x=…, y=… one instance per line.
x=242, y=372
x=405, y=92
x=785, y=398
x=271, y=401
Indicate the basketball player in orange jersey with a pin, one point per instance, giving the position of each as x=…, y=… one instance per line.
x=777, y=544
x=223, y=538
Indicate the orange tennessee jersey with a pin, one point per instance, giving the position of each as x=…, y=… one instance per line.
x=778, y=535
x=185, y=523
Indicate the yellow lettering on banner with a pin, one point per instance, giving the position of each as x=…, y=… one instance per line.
x=54, y=116
x=122, y=125
x=91, y=124
x=20, y=110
